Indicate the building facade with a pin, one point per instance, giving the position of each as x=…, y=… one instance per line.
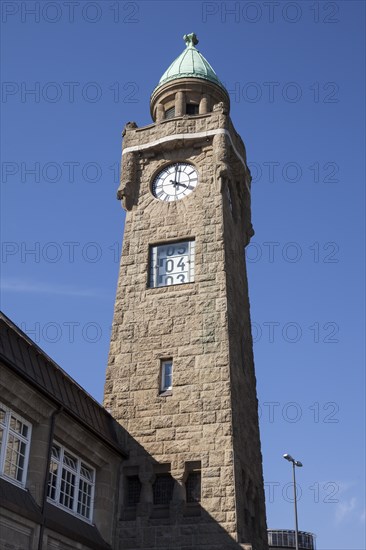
x=180, y=377
x=61, y=455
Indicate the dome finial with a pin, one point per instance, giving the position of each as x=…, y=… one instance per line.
x=190, y=39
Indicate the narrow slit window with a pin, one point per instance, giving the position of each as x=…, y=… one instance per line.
x=133, y=490
x=166, y=375
x=163, y=489
x=193, y=487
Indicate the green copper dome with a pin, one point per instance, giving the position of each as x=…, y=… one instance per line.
x=190, y=64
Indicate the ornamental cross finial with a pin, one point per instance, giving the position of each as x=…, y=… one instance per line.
x=190, y=39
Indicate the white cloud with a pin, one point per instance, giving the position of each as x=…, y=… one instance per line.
x=344, y=509
x=363, y=516
x=46, y=288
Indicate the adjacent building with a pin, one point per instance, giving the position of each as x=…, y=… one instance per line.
x=60, y=457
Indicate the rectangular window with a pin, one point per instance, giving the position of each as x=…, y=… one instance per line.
x=133, y=490
x=15, y=436
x=192, y=109
x=193, y=487
x=71, y=482
x=172, y=264
x=166, y=375
x=163, y=489
x=170, y=113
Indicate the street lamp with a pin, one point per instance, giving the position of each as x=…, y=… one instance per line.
x=299, y=465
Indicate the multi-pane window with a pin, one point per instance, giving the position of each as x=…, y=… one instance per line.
x=193, y=487
x=133, y=490
x=166, y=375
x=71, y=482
x=15, y=435
x=163, y=489
x=172, y=263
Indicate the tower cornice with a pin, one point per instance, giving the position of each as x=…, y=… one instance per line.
x=183, y=129
x=188, y=138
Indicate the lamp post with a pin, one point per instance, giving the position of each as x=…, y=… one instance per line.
x=299, y=465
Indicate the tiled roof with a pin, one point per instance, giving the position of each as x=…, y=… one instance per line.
x=19, y=501
x=30, y=362
x=67, y=524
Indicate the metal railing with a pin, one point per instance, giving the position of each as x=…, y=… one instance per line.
x=282, y=538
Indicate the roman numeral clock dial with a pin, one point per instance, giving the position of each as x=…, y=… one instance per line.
x=175, y=182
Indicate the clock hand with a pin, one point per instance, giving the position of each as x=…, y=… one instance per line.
x=179, y=182
x=177, y=178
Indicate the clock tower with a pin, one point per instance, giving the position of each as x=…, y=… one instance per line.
x=180, y=376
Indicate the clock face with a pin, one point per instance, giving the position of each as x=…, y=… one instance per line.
x=175, y=182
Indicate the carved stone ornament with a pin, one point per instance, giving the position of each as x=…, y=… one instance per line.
x=129, y=126
x=220, y=108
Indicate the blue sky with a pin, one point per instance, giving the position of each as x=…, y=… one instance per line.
x=295, y=73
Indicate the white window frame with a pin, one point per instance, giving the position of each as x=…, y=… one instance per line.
x=154, y=273
x=78, y=477
x=163, y=365
x=8, y=431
